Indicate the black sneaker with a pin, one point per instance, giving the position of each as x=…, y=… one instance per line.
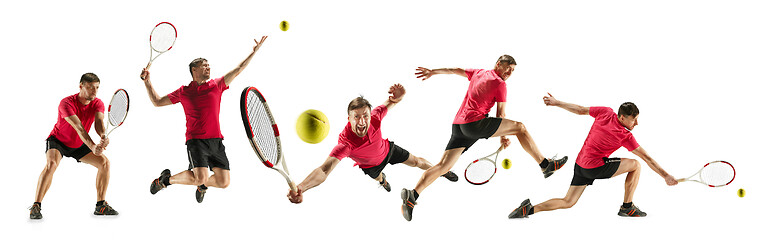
x=632, y=211
x=408, y=203
x=554, y=165
x=105, y=209
x=35, y=211
x=386, y=185
x=522, y=210
x=157, y=184
x=200, y=193
x=452, y=177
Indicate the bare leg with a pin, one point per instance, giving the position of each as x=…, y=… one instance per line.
x=103, y=172
x=419, y=162
x=510, y=127
x=570, y=199
x=633, y=168
x=429, y=176
x=46, y=177
x=198, y=176
x=221, y=178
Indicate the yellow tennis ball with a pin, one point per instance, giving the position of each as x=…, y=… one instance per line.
x=312, y=126
x=506, y=163
x=741, y=192
x=284, y=26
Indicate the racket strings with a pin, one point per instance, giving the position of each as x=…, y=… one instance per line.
x=119, y=105
x=162, y=37
x=717, y=173
x=262, y=128
x=480, y=171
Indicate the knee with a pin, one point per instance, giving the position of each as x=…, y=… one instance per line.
x=224, y=183
x=198, y=180
x=520, y=127
x=635, y=165
x=105, y=164
x=569, y=203
x=51, y=166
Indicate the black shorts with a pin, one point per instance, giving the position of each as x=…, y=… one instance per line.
x=465, y=135
x=396, y=155
x=209, y=153
x=583, y=176
x=76, y=153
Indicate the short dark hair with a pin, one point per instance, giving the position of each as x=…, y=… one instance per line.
x=506, y=59
x=89, y=78
x=628, y=109
x=196, y=63
x=358, y=103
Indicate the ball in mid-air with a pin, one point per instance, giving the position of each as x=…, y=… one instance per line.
x=506, y=164
x=741, y=192
x=312, y=126
x=284, y=25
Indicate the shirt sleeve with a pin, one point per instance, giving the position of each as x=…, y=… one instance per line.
x=630, y=143
x=379, y=112
x=175, y=96
x=470, y=71
x=99, y=106
x=66, y=108
x=221, y=84
x=599, y=111
x=341, y=151
x=501, y=94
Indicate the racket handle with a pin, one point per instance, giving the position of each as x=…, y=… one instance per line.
x=292, y=186
x=681, y=180
x=148, y=65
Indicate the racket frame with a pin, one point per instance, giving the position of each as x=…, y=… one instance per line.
x=109, y=107
x=699, y=174
x=149, y=64
x=486, y=159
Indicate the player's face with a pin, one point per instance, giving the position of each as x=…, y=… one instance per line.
x=88, y=90
x=629, y=122
x=360, y=120
x=505, y=70
x=203, y=71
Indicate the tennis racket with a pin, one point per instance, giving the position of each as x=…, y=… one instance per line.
x=713, y=174
x=117, y=110
x=162, y=38
x=263, y=133
x=482, y=170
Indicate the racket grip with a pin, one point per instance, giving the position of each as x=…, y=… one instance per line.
x=149, y=64
x=681, y=180
x=292, y=186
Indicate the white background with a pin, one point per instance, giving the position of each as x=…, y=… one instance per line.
x=688, y=65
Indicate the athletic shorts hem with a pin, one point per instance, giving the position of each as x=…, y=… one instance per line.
x=396, y=155
x=583, y=176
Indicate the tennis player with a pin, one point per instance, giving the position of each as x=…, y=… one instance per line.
x=201, y=100
x=70, y=138
x=609, y=132
x=471, y=123
x=361, y=141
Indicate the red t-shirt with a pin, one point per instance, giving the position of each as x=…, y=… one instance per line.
x=367, y=151
x=69, y=106
x=485, y=88
x=605, y=136
x=202, y=106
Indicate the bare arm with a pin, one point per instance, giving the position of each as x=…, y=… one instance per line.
x=83, y=135
x=397, y=92
x=100, y=129
x=574, y=108
x=670, y=180
x=425, y=73
x=315, y=178
x=501, y=109
x=235, y=72
x=156, y=99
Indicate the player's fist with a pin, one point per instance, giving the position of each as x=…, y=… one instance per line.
x=295, y=197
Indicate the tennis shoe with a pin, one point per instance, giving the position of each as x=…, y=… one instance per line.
x=408, y=203
x=386, y=185
x=632, y=211
x=522, y=210
x=554, y=165
x=35, y=211
x=452, y=177
x=105, y=209
x=200, y=193
x=157, y=184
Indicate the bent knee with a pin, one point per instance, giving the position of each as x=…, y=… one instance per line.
x=520, y=127
x=224, y=183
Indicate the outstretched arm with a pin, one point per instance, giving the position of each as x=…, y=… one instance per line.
x=235, y=72
x=574, y=108
x=315, y=178
x=156, y=100
x=670, y=180
x=397, y=91
x=425, y=73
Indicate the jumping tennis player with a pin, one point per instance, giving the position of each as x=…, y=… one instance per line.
x=201, y=100
x=609, y=132
x=471, y=123
x=361, y=141
x=70, y=138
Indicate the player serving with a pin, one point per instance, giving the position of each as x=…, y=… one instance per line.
x=361, y=140
x=201, y=100
x=609, y=132
x=471, y=123
x=70, y=138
